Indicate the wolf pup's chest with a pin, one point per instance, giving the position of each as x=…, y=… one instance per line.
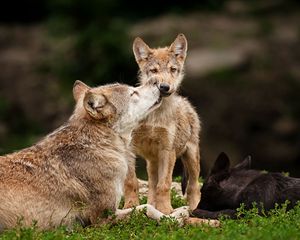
x=148, y=140
x=148, y=134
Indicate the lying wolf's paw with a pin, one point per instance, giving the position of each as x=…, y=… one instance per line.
x=181, y=214
x=201, y=221
x=129, y=203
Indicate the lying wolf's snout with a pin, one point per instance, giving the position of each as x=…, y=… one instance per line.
x=153, y=81
x=164, y=88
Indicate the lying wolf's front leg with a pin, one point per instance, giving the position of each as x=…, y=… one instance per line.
x=131, y=186
x=180, y=214
x=150, y=211
x=166, y=163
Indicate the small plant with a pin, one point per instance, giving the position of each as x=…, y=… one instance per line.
x=121, y=204
x=176, y=200
x=278, y=223
x=177, y=179
x=287, y=174
x=143, y=199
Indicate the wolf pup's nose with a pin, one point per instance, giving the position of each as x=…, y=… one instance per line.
x=164, y=88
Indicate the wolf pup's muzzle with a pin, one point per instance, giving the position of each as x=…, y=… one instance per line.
x=164, y=89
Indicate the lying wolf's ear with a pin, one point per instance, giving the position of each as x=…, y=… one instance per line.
x=245, y=164
x=141, y=50
x=98, y=107
x=79, y=88
x=179, y=47
x=222, y=163
x=94, y=104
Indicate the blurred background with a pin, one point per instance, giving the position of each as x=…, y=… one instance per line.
x=242, y=68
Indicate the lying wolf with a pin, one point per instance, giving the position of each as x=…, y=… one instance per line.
x=226, y=188
x=77, y=172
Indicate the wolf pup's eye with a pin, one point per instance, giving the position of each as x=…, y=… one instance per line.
x=173, y=69
x=153, y=70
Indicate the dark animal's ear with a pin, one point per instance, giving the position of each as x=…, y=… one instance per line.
x=245, y=164
x=179, y=47
x=79, y=88
x=222, y=164
x=141, y=50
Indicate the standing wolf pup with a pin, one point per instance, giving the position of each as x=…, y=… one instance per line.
x=78, y=171
x=169, y=132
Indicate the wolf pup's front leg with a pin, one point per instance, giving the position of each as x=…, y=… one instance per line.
x=166, y=163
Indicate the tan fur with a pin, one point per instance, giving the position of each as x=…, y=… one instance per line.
x=78, y=171
x=169, y=132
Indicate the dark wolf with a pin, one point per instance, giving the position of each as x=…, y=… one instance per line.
x=225, y=189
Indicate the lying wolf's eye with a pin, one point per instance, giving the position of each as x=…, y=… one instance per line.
x=153, y=70
x=134, y=93
x=173, y=69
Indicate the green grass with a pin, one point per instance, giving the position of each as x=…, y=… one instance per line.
x=280, y=224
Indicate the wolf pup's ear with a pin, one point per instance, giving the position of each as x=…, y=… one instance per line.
x=245, y=164
x=222, y=164
x=179, y=47
x=141, y=50
x=79, y=88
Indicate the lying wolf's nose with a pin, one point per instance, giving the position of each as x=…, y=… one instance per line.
x=164, y=87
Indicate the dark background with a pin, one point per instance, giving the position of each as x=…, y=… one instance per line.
x=242, y=69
